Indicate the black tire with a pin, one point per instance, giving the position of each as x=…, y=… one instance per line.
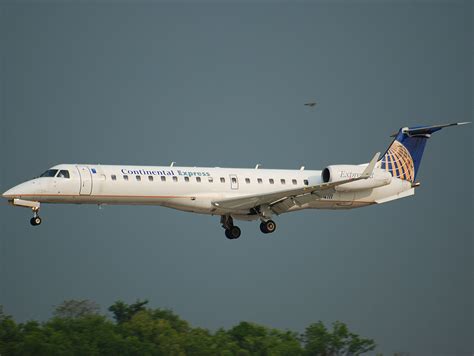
x=263, y=228
x=270, y=226
x=235, y=232
x=35, y=221
x=228, y=235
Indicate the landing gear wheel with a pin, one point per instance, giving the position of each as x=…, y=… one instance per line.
x=35, y=221
x=233, y=233
x=267, y=227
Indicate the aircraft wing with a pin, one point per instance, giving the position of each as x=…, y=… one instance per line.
x=251, y=201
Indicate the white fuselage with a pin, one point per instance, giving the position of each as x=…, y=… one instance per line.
x=192, y=189
x=235, y=193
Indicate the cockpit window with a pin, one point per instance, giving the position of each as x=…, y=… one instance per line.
x=49, y=173
x=63, y=174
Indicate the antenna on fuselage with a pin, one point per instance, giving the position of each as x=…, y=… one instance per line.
x=172, y=164
x=302, y=168
x=258, y=166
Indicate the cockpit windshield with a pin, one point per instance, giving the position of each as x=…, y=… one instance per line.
x=63, y=173
x=49, y=173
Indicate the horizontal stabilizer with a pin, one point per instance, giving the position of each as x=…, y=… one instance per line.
x=427, y=130
x=403, y=157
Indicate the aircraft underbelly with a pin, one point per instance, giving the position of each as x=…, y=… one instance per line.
x=327, y=204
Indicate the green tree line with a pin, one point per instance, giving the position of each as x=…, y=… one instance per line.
x=77, y=328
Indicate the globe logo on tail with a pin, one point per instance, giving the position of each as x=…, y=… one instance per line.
x=399, y=162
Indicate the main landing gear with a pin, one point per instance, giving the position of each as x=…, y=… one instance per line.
x=35, y=220
x=231, y=231
x=267, y=227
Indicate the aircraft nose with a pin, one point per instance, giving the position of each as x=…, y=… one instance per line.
x=21, y=189
x=12, y=192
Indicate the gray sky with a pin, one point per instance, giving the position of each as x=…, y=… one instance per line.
x=224, y=85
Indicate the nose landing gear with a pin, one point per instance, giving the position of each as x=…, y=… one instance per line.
x=35, y=220
x=33, y=205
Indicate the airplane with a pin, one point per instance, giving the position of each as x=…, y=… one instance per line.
x=234, y=193
x=311, y=104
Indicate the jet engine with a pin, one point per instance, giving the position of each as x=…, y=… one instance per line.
x=337, y=173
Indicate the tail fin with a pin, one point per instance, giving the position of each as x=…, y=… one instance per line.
x=403, y=157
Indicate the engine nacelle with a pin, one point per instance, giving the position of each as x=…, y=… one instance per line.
x=337, y=173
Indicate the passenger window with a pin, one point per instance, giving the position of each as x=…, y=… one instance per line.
x=305, y=182
x=125, y=177
x=150, y=178
x=271, y=181
x=49, y=173
x=210, y=179
x=294, y=182
x=247, y=180
x=234, y=180
x=113, y=176
x=222, y=180
x=63, y=174
x=163, y=178
x=282, y=181
x=138, y=178
x=259, y=180
x=186, y=179
x=198, y=179
x=175, y=179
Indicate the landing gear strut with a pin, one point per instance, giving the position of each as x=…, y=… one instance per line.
x=231, y=231
x=267, y=227
x=33, y=205
x=35, y=220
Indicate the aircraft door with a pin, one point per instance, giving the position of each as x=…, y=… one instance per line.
x=234, y=181
x=86, y=180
